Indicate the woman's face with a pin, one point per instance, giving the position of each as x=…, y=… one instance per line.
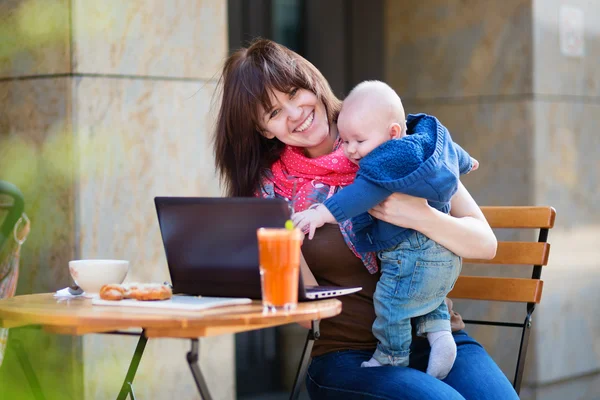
x=298, y=118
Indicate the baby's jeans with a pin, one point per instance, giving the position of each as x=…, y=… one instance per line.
x=416, y=276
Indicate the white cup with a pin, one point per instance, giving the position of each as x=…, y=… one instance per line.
x=91, y=275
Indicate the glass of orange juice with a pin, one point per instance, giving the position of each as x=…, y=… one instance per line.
x=279, y=259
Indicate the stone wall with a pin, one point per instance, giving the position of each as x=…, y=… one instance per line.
x=494, y=74
x=104, y=105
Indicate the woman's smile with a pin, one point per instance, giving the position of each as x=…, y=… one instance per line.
x=306, y=124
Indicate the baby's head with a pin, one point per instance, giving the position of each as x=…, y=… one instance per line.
x=371, y=114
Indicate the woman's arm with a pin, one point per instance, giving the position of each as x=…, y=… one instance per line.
x=464, y=232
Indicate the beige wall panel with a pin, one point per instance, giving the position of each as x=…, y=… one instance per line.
x=440, y=48
x=34, y=37
x=567, y=175
x=182, y=39
x=556, y=73
x=138, y=139
x=36, y=155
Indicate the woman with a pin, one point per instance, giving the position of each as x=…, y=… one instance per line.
x=276, y=135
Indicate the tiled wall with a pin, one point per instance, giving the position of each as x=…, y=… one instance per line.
x=113, y=108
x=494, y=74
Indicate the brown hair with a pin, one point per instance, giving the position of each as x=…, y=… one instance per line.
x=249, y=76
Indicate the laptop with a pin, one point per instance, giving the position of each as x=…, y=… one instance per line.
x=212, y=249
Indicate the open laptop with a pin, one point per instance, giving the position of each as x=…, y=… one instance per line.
x=212, y=249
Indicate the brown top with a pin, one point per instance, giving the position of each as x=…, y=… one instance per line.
x=333, y=263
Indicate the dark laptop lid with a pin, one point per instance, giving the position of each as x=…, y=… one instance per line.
x=211, y=244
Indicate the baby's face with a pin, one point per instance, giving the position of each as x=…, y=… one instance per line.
x=361, y=134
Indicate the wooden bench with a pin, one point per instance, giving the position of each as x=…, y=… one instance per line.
x=488, y=288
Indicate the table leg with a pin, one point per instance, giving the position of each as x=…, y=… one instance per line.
x=313, y=334
x=192, y=358
x=127, y=388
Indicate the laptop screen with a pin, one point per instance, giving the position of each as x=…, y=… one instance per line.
x=211, y=244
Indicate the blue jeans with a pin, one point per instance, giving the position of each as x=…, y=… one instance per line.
x=475, y=376
x=416, y=276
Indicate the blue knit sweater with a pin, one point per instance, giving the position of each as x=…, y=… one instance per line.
x=426, y=163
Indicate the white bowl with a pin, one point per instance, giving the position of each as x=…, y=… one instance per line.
x=91, y=275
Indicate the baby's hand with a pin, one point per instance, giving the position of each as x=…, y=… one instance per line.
x=308, y=221
x=475, y=164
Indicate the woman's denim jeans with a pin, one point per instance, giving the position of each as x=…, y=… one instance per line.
x=475, y=376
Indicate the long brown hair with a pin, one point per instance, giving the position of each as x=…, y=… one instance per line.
x=249, y=76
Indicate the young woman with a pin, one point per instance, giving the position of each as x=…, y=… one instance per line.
x=276, y=136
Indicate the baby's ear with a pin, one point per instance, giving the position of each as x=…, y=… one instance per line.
x=396, y=131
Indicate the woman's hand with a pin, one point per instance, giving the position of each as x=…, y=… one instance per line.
x=465, y=232
x=402, y=210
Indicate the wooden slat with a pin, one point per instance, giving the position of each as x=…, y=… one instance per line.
x=498, y=289
x=520, y=217
x=518, y=253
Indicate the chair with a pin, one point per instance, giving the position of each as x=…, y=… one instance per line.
x=14, y=229
x=12, y=203
x=520, y=290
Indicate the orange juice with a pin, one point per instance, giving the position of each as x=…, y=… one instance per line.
x=279, y=258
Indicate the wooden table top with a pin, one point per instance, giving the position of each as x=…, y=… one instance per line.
x=77, y=316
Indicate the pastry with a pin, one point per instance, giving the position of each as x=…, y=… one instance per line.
x=136, y=291
x=112, y=292
x=148, y=291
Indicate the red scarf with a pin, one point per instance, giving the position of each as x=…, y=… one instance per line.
x=309, y=174
x=307, y=181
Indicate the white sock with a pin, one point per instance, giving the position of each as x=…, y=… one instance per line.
x=371, y=363
x=443, y=354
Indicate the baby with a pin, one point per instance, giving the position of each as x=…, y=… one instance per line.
x=415, y=156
